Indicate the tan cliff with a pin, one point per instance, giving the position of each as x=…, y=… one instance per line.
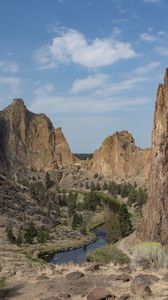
x=155, y=223
x=30, y=140
x=119, y=158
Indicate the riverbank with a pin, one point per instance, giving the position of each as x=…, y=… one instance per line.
x=64, y=243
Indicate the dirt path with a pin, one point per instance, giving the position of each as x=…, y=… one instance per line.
x=127, y=243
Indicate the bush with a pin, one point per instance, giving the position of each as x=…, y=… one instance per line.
x=10, y=236
x=150, y=254
x=2, y=284
x=77, y=220
x=30, y=234
x=107, y=254
x=42, y=234
x=72, y=199
x=92, y=200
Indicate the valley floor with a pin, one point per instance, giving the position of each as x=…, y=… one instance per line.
x=26, y=279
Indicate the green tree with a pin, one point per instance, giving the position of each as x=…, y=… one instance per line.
x=114, y=233
x=19, y=239
x=48, y=181
x=30, y=234
x=124, y=221
x=72, y=197
x=141, y=199
x=42, y=234
x=10, y=235
x=92, y=186
x=83, y=229
x=98, y=187
x=132, y=196
x=77, y=220
x=105, y=186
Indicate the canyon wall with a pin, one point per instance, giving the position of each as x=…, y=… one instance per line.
x=120, y=159
x=155, y=222
x=29, y=140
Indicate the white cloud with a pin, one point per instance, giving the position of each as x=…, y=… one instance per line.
x=162, y=50
x=152, y=1
x=148, y=68
x=147, y=37
x=72, y=46
x=9, y=67
x=101, y=98
x=116, y=32
x=89, y=83
x=111, y=89
x=66, y=105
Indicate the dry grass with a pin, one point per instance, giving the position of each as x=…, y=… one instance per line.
x=151, y=254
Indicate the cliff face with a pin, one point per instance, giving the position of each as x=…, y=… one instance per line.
x=155, y=223
x=28, y=139
x=63, y=152
x=119, y=158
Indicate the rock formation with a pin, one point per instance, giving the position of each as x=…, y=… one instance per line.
x=118, y=158
x=30, y=140
x=155, y=223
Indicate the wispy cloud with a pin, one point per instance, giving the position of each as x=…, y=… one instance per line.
x=8, y=67
x=152, y=1
x=148, y=68
x=80, y=105
x=147, y=37
x=103, y=95
x=89, y=83
x=162, y=50
x=71, y=46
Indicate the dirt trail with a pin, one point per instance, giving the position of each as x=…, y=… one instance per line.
x=126, y=244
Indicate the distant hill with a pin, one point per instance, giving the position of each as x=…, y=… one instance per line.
x=84, y=156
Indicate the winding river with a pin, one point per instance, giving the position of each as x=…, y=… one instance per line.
x=79, y=255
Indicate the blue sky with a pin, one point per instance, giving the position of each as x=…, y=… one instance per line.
x=93, y=66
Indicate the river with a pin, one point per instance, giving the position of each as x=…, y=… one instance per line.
x=79, y=255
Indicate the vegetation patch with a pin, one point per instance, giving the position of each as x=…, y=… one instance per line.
x=2, y=285
x=107, y=254
x=97, y=220
x=150, y=254
x=28, y=235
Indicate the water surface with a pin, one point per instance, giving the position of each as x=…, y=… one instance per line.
x=79, y=255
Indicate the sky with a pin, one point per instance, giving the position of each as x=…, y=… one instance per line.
x=92, y=66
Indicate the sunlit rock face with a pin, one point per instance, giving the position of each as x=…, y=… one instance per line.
x=155, y=223
x=30, y=140
x=119, y=158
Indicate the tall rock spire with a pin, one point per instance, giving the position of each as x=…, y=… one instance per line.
x=155, y=223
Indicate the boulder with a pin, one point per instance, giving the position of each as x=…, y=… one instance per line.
x=101, y=294
x=74, y=275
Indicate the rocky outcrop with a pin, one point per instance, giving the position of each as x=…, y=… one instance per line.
x=118, y=158
x=29, y=140
x=63, y=152
x=155, y=223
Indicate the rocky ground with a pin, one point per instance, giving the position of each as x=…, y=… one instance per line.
x=27, y=278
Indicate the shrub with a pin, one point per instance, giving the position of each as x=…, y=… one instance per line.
x=72, y=199
x=42, y=234
x=48, y=181
x=150, y=254
x=107, y=254
x=10, y=236
x=2, y=285
x=77, y=220
x=96, y=175
x=30, y=234
x=91, y=200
